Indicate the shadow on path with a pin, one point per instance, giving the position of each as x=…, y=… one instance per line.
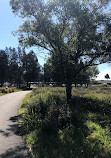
x=14, y=119
x=17, y=152
x=13, y=127
x=6, y=134
x=20, y=150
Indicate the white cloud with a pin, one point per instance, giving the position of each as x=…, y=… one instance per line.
x=101, y=76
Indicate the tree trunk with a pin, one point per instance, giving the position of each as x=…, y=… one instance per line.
x=28, y=85
x=2, y=82
x=68, y=91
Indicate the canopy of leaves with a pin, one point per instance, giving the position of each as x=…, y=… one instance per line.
x=3, y=66
x=73, y=31
x=31, y=67
x=18, y=67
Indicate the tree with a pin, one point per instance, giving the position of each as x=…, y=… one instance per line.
x=30, y=67
x=20, y=53
x=73, y=31
x=3, y=66
x=41, y=73
x=47, y=72
x=82, y=78
x=14, y=64
x=92, y=72
x=107, y=76
x=85, y=76
x=15, y=72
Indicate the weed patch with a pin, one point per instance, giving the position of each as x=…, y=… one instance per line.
x=55, y=129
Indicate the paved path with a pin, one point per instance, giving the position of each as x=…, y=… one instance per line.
x=11, y=143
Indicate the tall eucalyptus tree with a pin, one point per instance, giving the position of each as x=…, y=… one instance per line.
x=75, y=32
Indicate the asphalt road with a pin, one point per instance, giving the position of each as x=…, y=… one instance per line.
x=11, y=143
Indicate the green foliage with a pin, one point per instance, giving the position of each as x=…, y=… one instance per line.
x=18, y=67
x=14, y=74
x=3, y=66
x=99, y=138
x=31, y=67
x=54, y=128
x=75, y=33
x=47, y=72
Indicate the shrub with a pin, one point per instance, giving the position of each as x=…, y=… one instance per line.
x=6, y=90
x=12, y=89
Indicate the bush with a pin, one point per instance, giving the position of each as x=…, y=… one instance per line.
x=12, y=89
x=6, y=90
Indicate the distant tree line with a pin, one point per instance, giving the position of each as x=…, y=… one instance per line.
x=84, y=77
x=17, y=67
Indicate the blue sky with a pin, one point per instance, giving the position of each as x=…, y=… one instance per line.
x=9, y=23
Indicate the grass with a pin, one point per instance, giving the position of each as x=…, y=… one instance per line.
x=55, y=129
x=2, y=94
